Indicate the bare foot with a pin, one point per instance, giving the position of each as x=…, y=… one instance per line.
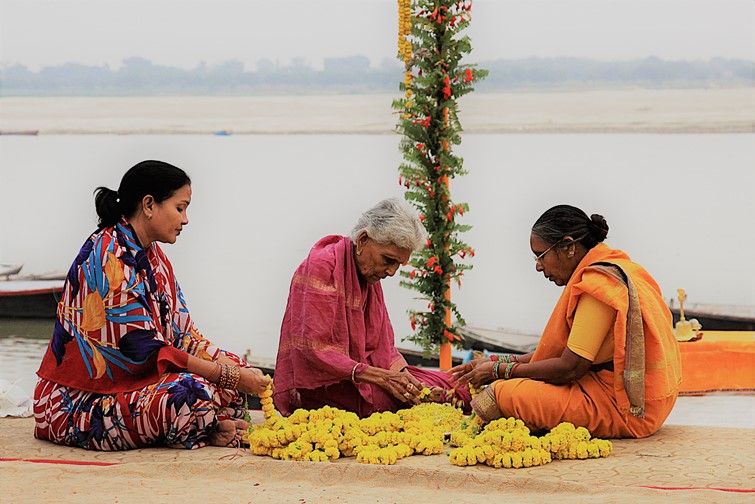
x=228, y=433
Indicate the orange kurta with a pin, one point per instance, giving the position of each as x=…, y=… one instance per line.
x=633, y=400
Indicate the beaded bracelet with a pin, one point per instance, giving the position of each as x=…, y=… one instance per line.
x=235, y=377
x=223, y=381
x=494, y=357
x=221, y=378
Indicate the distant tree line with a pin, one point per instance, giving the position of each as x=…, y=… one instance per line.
x=138, y=76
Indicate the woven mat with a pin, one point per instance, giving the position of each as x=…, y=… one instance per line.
x=678, y=464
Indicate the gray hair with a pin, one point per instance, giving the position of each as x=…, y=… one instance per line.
x=392, y=221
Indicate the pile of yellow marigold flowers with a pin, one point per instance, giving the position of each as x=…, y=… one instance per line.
x=507, y=442
x=328, y=433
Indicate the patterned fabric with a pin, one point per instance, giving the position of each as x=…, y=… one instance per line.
x=180, y=411
x=122, y=325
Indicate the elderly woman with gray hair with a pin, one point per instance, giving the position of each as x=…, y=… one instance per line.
x=337, y=345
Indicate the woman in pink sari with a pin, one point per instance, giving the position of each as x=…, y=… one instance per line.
x=337, y=345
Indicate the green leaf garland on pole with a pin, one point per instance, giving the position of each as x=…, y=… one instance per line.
x=431, y=48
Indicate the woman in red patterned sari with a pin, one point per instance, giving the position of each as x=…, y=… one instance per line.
x=337, y=346
x=125, y=367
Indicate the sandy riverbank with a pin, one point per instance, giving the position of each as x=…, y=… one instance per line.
x=616, y=110
x=678, y=464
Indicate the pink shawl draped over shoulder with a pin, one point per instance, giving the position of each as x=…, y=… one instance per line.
x=332, y=322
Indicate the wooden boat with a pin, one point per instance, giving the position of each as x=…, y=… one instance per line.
x=30, y=298
x=498, y=340
x=719, y=317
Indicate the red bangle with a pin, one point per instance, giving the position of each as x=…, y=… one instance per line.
x=494, y=357
x=511, y=373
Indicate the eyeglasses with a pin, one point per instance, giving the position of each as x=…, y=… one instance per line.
x=539, y=258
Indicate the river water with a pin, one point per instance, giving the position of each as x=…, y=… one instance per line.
x=681, y=205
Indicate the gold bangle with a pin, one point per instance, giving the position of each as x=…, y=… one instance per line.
x=212, y=378
x=235, y=378
x=224, y=371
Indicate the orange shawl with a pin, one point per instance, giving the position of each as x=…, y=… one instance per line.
x=647, y=363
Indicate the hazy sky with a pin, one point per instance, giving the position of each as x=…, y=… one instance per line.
x=183, y=33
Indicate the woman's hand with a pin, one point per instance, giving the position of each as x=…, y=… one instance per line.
x=402, y=385
x=252, y=381
x=476, y=372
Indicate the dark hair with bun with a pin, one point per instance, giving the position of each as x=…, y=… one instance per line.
x=156, y=178
x=565, y=220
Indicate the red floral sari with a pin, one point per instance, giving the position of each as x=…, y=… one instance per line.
x=111, y=377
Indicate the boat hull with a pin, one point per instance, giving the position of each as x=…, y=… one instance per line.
x=30, y=299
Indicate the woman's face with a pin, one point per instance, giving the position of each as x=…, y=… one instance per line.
x=376, y=261
x=554, y=261
x=169, y=217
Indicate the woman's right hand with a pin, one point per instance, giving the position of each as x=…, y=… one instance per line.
x=477, y=372
x=403, y=386
x=252, y=381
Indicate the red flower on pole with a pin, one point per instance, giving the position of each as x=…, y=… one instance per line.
x=429, y=123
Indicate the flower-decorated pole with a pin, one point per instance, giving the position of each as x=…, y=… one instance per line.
x=430, y=46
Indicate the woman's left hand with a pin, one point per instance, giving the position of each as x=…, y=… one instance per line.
x=477, y=372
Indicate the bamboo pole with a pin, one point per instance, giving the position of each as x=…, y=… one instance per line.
x=445, y=346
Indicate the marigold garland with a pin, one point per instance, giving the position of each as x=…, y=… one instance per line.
x=328, y=433
x=507, y=442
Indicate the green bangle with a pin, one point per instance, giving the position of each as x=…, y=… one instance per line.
x=507, y=372
x=495, y=370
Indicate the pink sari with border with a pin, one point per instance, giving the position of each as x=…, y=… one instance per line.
x=334, y=321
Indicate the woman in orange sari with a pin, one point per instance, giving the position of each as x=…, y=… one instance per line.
x=607, y=359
